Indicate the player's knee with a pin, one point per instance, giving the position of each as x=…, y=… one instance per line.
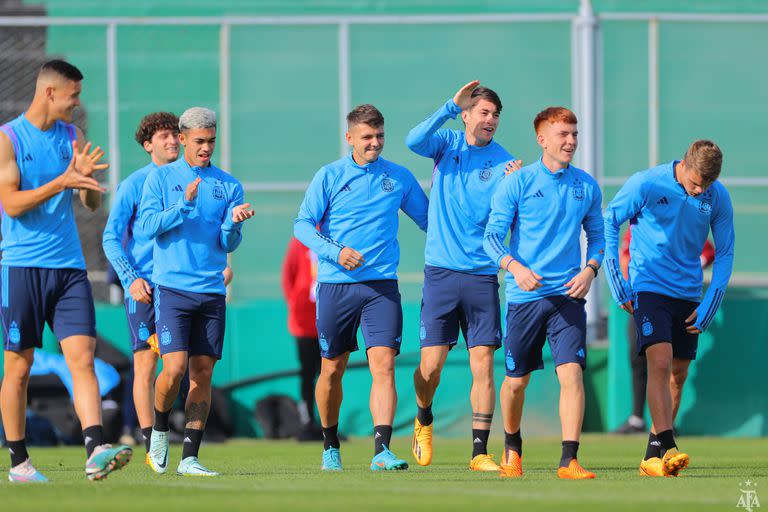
x=201, y=374
x=659, y=364
x=515, y=385
x=17, y=374
x=332, y=372
x=679, y=375
x=430, y=371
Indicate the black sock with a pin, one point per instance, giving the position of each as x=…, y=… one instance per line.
x=161, y=420
x=331, y=437
x=654, y=447
x=146, y=433
x=667, y=440
x=480, y=442
x=192, y=438
x=18, y=450
x=93, y=436
x=570, y=449
x=425, y=415
x=382, y=434
x=513, y=442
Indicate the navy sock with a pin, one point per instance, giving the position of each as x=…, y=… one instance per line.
x=331, y=437
x=425, y=415
x=667, y=440
x=570, y=449
x=382, y=434
x=192, y=438
x=161, y=420
x=654, y=447
x=513, y=442
x=479, y=442
x=146, y=433
x=18, y=450
x=93, y=436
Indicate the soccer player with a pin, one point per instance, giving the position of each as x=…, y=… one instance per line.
x=354, y=203
x=43, y=270
x=546, y=204
x=194, y=212
x=672, y=208
x=461, y=287
x=130, y=253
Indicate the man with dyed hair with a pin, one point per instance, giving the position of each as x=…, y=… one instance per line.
x=43, y=269
x=461, y=286
x=349, y=218
x=546, y=204
x=194, y=213
x=130, y=253
x=672, y=208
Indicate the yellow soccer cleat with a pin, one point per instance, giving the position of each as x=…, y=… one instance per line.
x=483, y=462
x=511, y=467
x=674, y=461
x=652, y=467
x=574, y=471
x=422, y=443
x=146, y=460
x=153, y=346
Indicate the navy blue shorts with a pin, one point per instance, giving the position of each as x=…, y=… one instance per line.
x=32, y=297
x=190, y=322
x=661, y=319
x=344, y=307
x=456, y=300
x=559, y=319
x=141, y=323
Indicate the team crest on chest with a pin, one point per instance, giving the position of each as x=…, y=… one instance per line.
x=387, y=185
x=218, y=191
x=485, y=174
x=705, y=203
x=578, y=190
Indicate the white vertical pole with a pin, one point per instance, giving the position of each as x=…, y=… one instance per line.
x=113, y=113
x=344, y=85
x=587, y=101
x=224, y=122
x=224, y=118
x=653, y=92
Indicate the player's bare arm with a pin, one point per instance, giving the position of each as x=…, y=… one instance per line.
x=86, y=162
x=18, y=202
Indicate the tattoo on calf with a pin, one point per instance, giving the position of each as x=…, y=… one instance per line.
x=196, y=413
x=482, y=418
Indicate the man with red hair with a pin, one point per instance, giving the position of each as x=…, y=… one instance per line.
x=545, y=205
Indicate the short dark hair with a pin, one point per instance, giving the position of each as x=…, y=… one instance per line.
x=63, y=69
x=706, y=158
x=484, y=93
x=153, y=123
x=365, y=114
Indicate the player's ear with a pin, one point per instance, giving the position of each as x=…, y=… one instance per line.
x=182, y=139
x=348, y=137
x=540, y=139
x=147, y=146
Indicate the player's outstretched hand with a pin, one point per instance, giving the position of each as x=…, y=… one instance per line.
x=191, y=193
x=75, y=180
x=141, y=291
x=526, y=279
x=463, y=98
x=578, y=287
x=350, y=259
x=692, y=329
x=86, y=162
x=241, y=213
x=512, y=166
x=628, y=307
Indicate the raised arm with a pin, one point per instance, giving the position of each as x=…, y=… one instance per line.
x=86, y=163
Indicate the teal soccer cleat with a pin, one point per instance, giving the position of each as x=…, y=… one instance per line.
x=331, y=460
x=158, y=451
x=25, y=473
x=105, y=460
x=192, y=467
x=387, y=461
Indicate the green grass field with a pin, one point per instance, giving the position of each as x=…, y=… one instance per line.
x=285, y=475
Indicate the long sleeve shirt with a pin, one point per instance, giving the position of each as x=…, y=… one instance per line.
x=546, y=212
x=669, y=228
x=352, y=205
x=192, y=239
x=464, y=178
x=126, y=247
